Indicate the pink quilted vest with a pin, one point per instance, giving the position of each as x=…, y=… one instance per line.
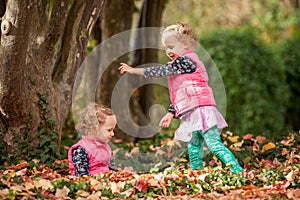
x=99, y=155
x=190, y=90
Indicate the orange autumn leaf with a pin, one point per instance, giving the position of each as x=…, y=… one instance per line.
x=233, y=139
x=269, y=146
x=182, y=160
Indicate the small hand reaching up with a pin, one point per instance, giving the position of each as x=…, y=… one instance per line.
x=124, y=68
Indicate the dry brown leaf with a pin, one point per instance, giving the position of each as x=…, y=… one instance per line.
x=21, y=172
x=284, y=152
x=293, y=194
x=82, y=193
x=62, y=193
x=261, y=139
x=95, y=196
x=45, y=184
x=290, y=176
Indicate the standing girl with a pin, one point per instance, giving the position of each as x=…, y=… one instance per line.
x=191, y=97
x=92, y=154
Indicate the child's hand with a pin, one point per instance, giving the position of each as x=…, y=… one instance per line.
x=124, y=68
x=166, y=120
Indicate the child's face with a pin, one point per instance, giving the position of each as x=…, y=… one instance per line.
x=106, y=131
x=174, y=47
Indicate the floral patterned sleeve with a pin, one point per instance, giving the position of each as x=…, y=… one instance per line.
x=180, y=65
x=112, y=165
x=171, y=109
x=80, y=160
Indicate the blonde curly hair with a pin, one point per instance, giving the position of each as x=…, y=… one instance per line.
x=185, y=33
x=93, y=116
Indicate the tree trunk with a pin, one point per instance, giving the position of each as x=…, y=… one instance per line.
x=42, y=47
x=295, y=3
x=116, y=18
x=150, y=16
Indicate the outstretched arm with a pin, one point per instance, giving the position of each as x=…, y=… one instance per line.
x=124, y=68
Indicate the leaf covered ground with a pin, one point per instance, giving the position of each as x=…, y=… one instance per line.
x=271, y=171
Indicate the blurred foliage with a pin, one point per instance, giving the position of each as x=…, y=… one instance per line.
x=291, y=57
x=273, y=19
x=254, y=79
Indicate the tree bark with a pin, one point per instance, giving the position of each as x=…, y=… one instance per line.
x=42, y=47
x=15, y=104
x=150, y=16
x=295, y=3
x=117, y=17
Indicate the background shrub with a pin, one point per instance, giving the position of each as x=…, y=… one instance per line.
x=254, y=80
x=291, y=57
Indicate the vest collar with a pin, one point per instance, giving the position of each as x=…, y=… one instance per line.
x=187, y=52
x=92, y=140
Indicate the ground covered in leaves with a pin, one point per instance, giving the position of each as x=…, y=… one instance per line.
x=271, y=171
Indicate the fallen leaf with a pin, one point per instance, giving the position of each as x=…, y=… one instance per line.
x=290, y=176
x=142, y=185
x=135, y=150
x=293, y=194
x=95, y=196
x=117, y=187
x=248, y=136
x=82, y=193
x=61, y=193
x=269, y=146
x=289, y=141
x=43, y=183
x=284, y=152
x=128, y=192
x=21, y=172
x=246, y=160
x=261, y=139
x=233, y=139
x=28, y=185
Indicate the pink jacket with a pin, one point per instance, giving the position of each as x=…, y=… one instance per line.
x=190, y=90
x=99, y=155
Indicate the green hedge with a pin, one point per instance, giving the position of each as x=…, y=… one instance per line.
x=254, y=80
x=291, y=56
